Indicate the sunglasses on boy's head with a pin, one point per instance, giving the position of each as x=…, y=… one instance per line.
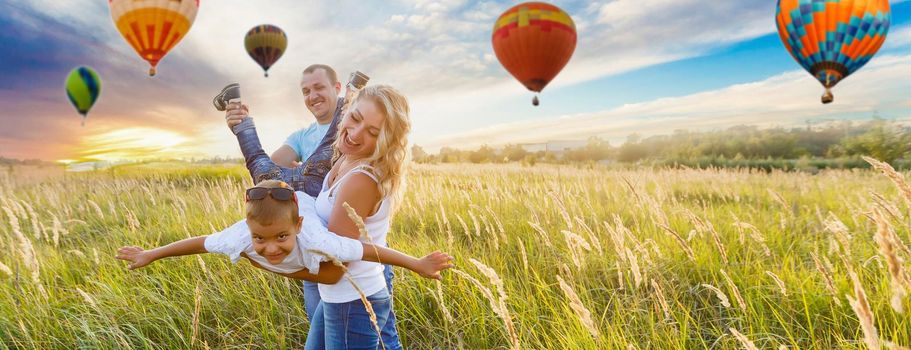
x=279, y=194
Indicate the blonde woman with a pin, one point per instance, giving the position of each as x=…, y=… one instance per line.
x=368, y=173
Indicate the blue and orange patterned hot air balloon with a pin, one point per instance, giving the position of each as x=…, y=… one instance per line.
x=153, y=27
x=534, y=41
x=833, y=38
x=266, y=44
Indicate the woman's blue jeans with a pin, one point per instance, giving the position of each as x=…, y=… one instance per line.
x=389, y=333
x=337, y=326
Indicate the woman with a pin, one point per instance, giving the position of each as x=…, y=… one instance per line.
x=371, y=152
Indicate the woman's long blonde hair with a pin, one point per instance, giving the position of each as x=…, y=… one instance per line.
x=391, y=156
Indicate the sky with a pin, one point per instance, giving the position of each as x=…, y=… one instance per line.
x=640, y=66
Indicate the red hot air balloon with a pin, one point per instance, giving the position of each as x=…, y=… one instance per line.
x=534, y=41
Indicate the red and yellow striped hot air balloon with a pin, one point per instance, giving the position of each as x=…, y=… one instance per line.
x=534, y=41
x=153, y=27
x=833, y=38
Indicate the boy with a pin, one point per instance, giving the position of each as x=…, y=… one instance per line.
x=282, y=234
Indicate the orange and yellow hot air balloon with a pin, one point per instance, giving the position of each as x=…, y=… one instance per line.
x=153, y=27
x=534, y=41
x=832, y=39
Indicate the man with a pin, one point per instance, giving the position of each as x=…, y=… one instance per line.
x=321, y=88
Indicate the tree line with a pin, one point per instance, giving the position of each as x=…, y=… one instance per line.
x=834, y=145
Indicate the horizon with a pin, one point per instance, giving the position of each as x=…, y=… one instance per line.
x=734, y=71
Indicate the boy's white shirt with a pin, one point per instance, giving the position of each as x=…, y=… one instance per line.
x=313, y=235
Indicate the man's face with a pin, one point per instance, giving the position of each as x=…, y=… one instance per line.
x=276, y=241
x=320, y=93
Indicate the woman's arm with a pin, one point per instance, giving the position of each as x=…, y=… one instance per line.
x=139, y=257
x=362, y=194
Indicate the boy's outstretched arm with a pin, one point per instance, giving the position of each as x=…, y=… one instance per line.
x=139, y=257
x=328, y=273
x=428, y=267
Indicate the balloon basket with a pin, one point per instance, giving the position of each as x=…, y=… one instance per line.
x=828, y=97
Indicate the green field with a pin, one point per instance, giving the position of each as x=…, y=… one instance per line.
x=579, y=258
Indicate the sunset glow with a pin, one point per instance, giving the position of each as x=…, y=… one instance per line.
x=134, y=144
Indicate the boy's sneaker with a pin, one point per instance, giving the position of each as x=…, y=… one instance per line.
x=230, y=92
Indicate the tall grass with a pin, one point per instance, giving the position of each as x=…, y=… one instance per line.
x=548, y=258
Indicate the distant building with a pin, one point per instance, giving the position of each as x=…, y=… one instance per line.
x=87, y=166
x=557, y=146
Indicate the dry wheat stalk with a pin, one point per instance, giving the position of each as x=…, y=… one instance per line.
x=524, y=255
x=26, y=251
x=683, y=244
x=886, y=241
x=88, y=298
x=197, y=300
x=778, y=282
x=474, y=221
x=825, y=270
x=893, y=346
x=576, y=245
x=734, y=290
x=717, y=239
x=896, y=178
x=634, y=267
x=747, y=344
x=581, y=311
x=842, y=235
x=886, y=205
x=718, y=293
x=541, y=233
x=33, y=219
x=662, y=300
x=5, y=269
x=57, y=229
x=862, y=309
x=464, y=227
x=498, y=306
x=439, y=296
x=756, y=235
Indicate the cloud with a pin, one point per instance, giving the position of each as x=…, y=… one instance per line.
x=898, y=37
x=437, y=52
x=790, y=98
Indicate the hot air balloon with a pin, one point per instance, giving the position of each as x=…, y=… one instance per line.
x=266, y=44
x=832, y=39
x=83, y=87
x=153, y=27
x=534, y=41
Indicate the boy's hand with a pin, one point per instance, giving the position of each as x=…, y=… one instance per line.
x=431, y=265
x=136, y=256
x=235, y=113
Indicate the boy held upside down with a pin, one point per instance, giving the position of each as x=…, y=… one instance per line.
x=283, y=234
